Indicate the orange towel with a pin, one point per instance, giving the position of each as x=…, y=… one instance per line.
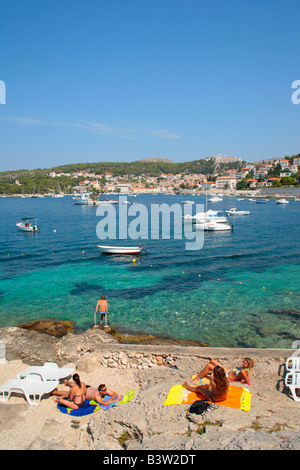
x=238, y=397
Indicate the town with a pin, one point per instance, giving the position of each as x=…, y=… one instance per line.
x=223, y=174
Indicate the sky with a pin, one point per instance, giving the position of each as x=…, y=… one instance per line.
x=124, y=80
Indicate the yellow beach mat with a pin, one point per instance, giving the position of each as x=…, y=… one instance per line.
x=238, y=397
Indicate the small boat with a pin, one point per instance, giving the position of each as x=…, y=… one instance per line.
x=84, y=200
x=215, y=199
x=207, y=216
x=26, y=226
x=297, y=199
x=213, y=226
x=233, y=211
x=188, y=202
x=121, y=250
x=282, y=201
x=251, y=200
x=100, y=202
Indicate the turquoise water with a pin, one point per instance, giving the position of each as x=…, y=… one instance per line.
x=240, y=290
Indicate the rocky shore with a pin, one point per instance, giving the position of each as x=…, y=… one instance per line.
x=144, y=423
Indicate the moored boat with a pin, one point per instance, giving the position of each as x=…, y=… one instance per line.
x=234, y=211
x=27, y=226
x=121, y=250
x=282, y=201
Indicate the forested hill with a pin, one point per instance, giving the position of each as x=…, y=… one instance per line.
x=144, y=167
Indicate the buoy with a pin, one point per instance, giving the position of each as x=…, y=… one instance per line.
x=290, y=293
x=240, y=282
x=134, y=260
x=83, y=252
x=263, y=287
x=52, y=253
x=182, y=272
x=218, y=279
x=54, y=231
x=199, y=275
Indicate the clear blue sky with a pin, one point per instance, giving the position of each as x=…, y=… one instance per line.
x=121, y=80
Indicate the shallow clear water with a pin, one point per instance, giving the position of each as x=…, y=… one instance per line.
x=242, y=298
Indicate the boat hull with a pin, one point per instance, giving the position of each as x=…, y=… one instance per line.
x=117, y=250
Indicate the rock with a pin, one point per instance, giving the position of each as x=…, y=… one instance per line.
x=50, y=326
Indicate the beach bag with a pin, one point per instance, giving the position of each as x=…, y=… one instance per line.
x=199, y=407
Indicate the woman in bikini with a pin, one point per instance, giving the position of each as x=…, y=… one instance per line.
x=76, y=397
x=217, y=389
x=240, y=374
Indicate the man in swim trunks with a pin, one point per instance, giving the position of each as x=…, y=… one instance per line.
x=240, y=374
x=99, y=393
x=102, y=308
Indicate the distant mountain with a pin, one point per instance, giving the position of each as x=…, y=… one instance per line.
x=156, y=160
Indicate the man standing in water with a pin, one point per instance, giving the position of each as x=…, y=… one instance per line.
x=102, y=310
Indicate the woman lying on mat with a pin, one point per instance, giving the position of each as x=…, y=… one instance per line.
x=217, y=389
x=240, y=374
x=74, y=398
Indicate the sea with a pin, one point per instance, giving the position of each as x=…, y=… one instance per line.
x=240, y=289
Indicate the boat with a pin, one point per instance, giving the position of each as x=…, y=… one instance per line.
x=84, y=200
x=215, y=199
x=297, y=199
x=106, y=201
x=282, y=201
x=251, y=200
x=26, y=226
x=188, y=202
x=233, y=211
x=207, y=216
x=213, y=226
x=261, y=201
x=121, y=250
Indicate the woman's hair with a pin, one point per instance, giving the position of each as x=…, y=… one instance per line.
x=102, y=297
x=250, y=362
x=220, y=379
x=77, y=380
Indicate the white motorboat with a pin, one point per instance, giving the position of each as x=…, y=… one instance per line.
x=215, y=199
x=251, y=200
x=282, y=201
x=207, y=216
x=121, y=250
x=27, y=226
x=100, y=202
x=188, y=202
x=213, y=226
x=233, y=211
x=84, y=200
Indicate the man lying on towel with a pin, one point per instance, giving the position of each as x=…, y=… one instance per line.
x=217, y=389
x=97, y=394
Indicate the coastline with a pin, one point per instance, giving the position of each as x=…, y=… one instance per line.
x=144, y=423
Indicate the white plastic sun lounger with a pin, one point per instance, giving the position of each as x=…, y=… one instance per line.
x=33, y=388
x=48, y=372
x=292, y=381
x=293, y=362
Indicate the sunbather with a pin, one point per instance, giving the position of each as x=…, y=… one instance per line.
x=99, y=393
x=240, y=374
x=74, y=398
x=217, y=389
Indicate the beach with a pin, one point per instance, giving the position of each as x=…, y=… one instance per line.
x=144, y=423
